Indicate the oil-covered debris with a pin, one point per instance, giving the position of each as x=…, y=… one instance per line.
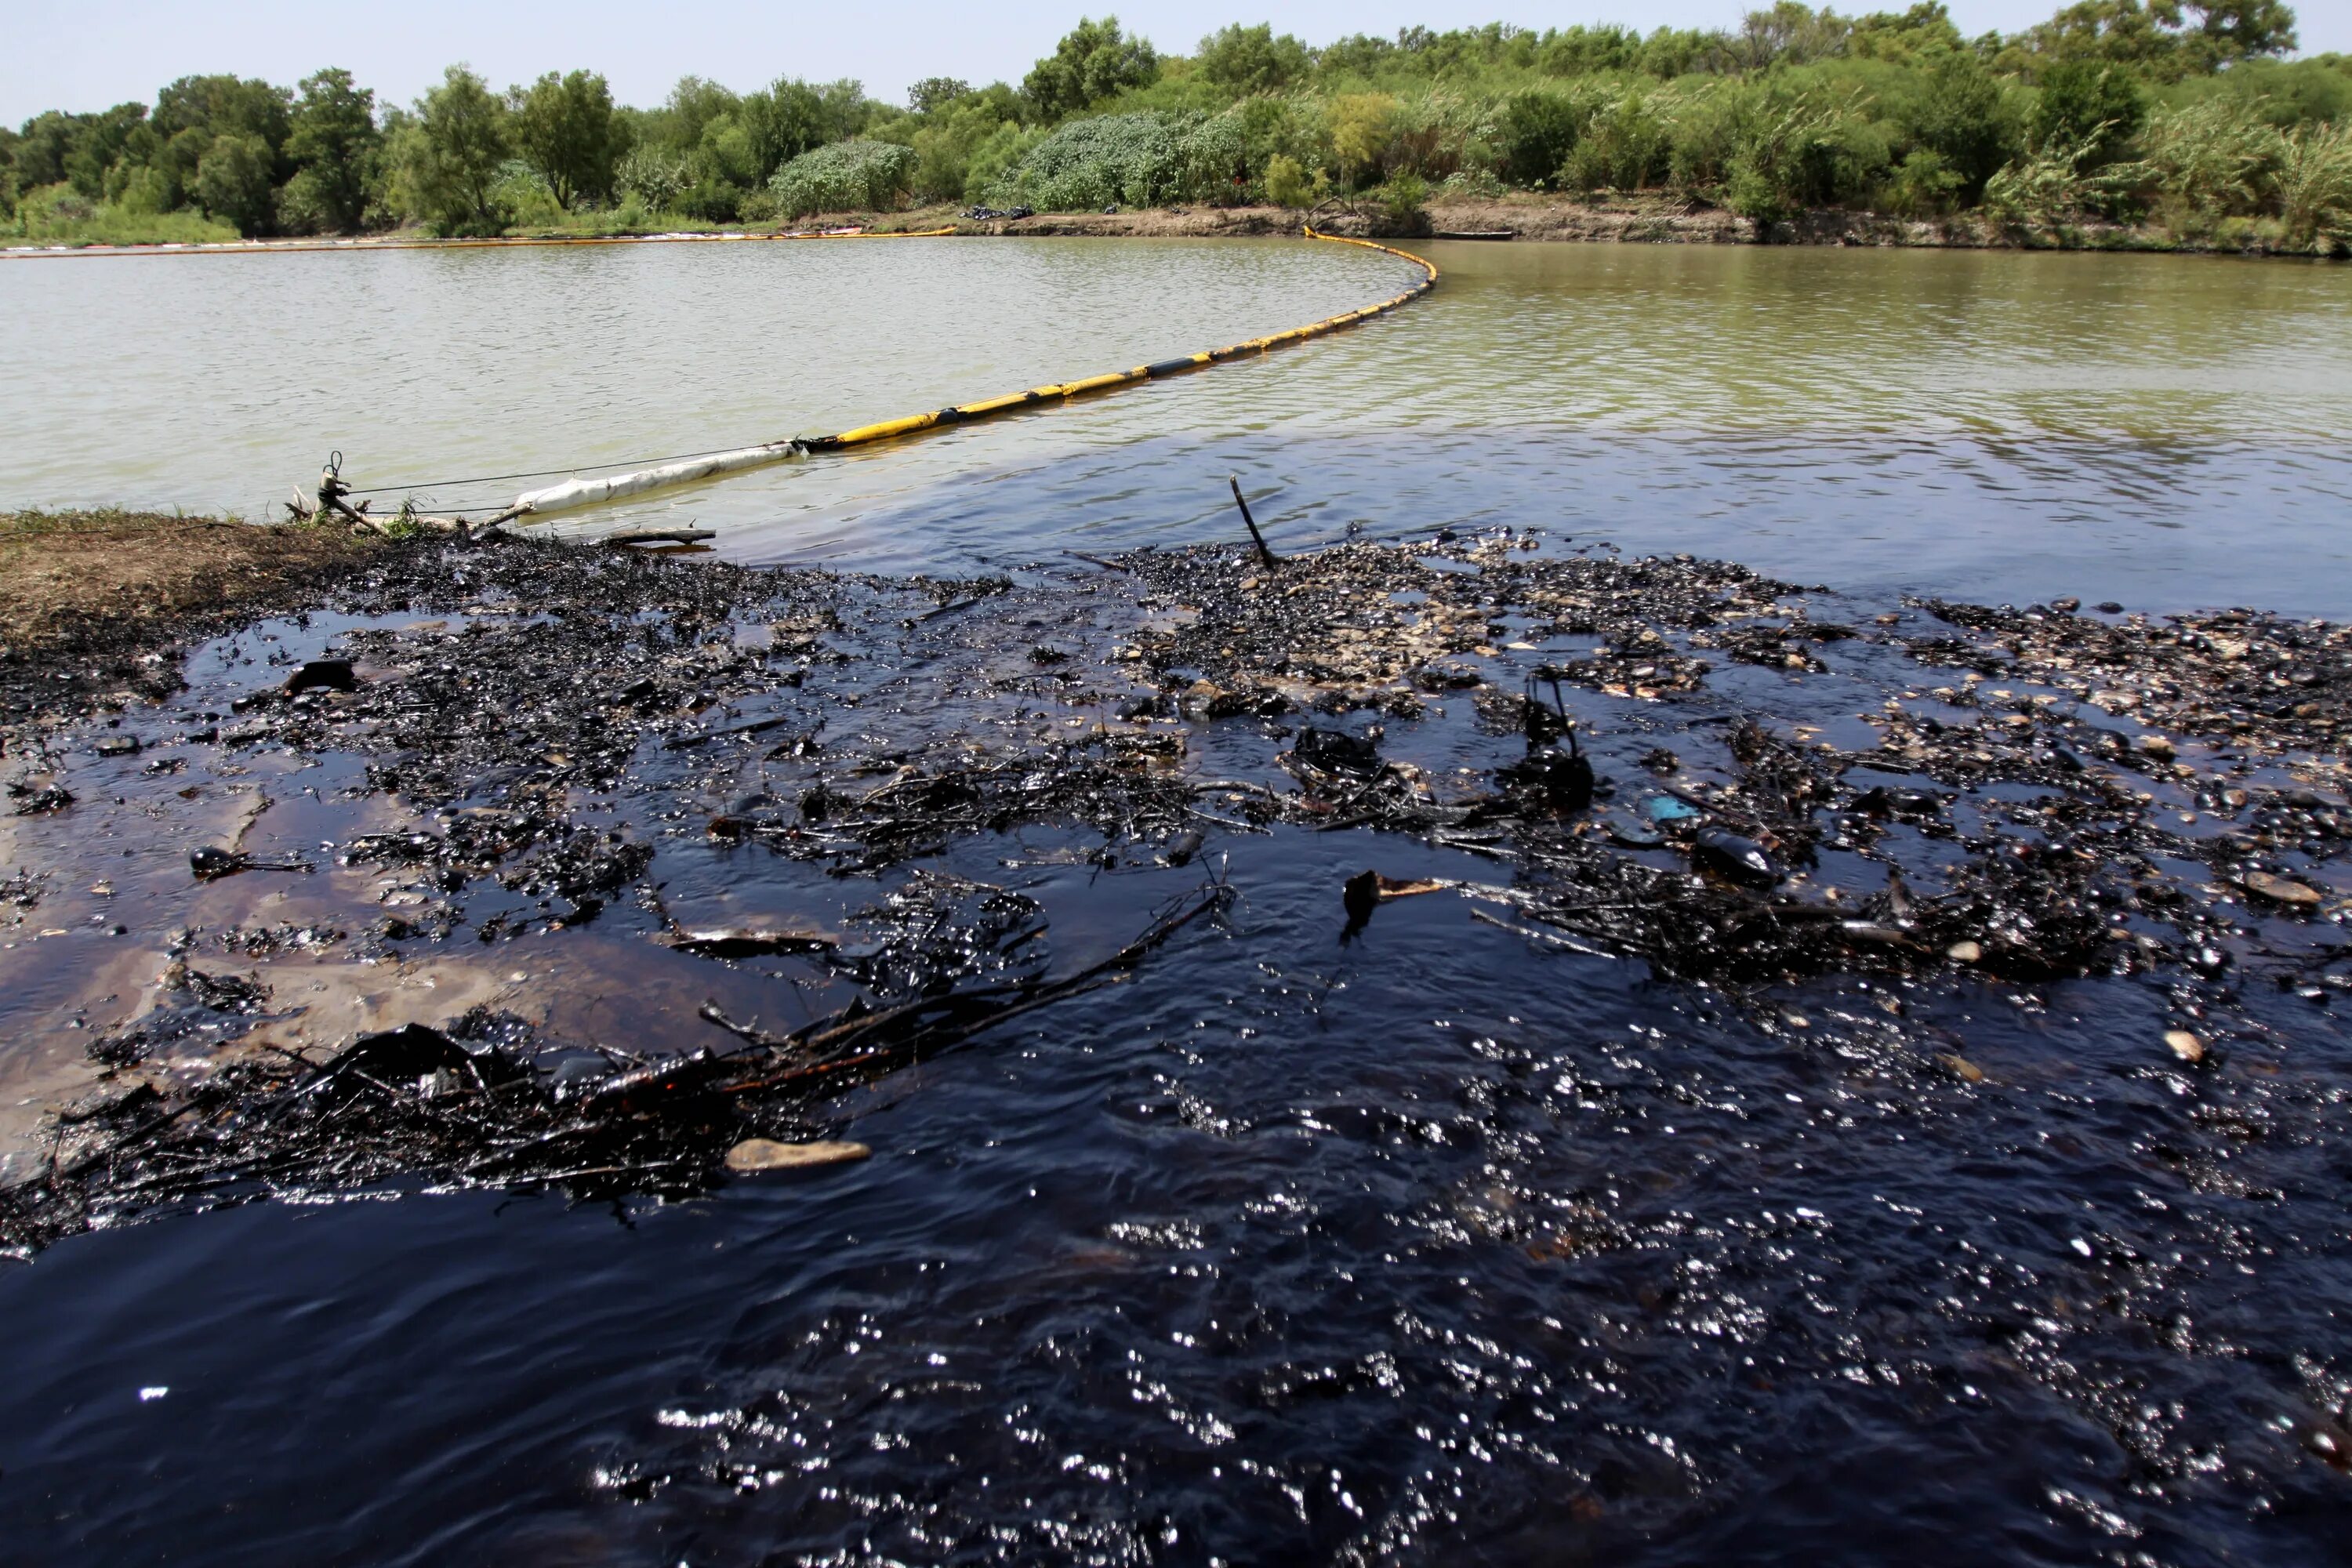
x=2240, y=676
x=493, y=1100
x=1733, y=779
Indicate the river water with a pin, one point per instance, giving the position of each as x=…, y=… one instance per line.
x=2151, y=430
x=1432, y=1248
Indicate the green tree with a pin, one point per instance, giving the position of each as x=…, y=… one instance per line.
x=562, y=127
x=1245, y=60
x=790, y=117
x=692, y=105
x=2168, y=37
x=1790, y=33
x=1362, y=126
x=225, y=105
x=98, y=142
x=1963, y=116
x=43, y=146
x=1093, y=61
x=2095, y=107
x=934, y=93
x=1903, y=35
x=2230, y=30
x=448, y=157
x=233, y=182
x=332, y=141
x=947, y=143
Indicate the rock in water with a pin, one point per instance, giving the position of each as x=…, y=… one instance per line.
x=208, y=862
x=1734, y=858
x=333, y=674
x=2185, y=1045
x=1337, y=751
x=1564, y=779
x=2280, y=889
x=755, y=1154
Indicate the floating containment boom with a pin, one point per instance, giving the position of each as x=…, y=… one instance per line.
x=578, y=491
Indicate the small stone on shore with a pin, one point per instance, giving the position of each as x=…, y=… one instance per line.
x=2185, y=1045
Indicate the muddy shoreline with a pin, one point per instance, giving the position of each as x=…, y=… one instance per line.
x=1516, y=216
x=519, y=863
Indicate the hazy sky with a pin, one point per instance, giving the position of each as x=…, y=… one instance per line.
x=88, y=54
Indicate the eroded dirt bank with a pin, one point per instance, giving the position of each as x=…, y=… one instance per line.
x=520, y=863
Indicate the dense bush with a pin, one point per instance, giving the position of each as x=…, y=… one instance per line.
x=1537, y=132
x=1138, y=160
x=845, y=178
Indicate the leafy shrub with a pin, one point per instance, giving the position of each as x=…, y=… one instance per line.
x=2086, y=103
x=1924, y=186
x=2315, y=184
x=59, y=215
x=2207, y=162
x=1286, y=183
x=844, y=177
x=1961, y=115
x=2052, y=183
x=712, y=199
x=303, y=206
x=522, y=194
x=1538, y=131
x=996, y=158
x=1140, y=159
x=654, y=177
x=1796, y=152
x=1400, y=205
x=1362, y=125
x=1626, y=146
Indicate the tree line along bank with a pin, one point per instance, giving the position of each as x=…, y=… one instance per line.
x=2189, y=118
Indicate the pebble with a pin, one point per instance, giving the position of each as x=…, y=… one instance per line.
x=767, y=1154
x=1964, y=952
x=1962, y=1069
x=2185, y=1045
x=2156, y=745
x=2280, y=889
